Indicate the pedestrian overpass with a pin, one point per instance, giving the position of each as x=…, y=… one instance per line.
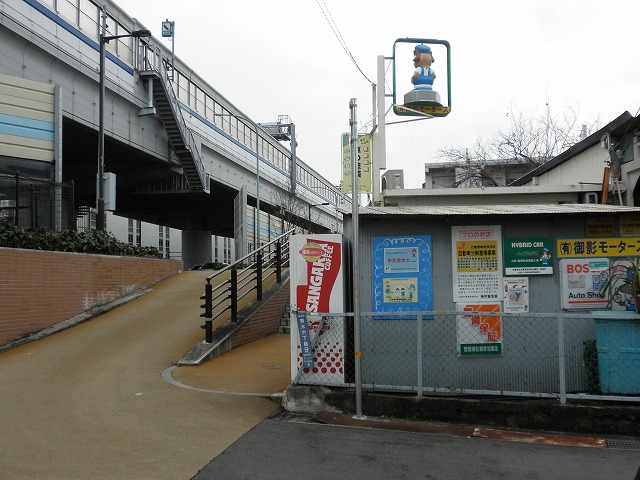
x=183, y=156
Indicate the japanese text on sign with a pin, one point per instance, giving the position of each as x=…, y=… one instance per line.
x=477, y=256
x=609, y=247
x=403, y=259
x=477, y=265
x=305, y=341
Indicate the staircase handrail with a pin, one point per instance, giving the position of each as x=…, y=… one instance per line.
x=157, y=65
x=242, y=282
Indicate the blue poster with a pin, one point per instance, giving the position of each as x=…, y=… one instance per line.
x=402, y=274
x=305, y=340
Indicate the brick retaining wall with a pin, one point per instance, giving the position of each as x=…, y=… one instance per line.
x=39, y=289
x=265, y=321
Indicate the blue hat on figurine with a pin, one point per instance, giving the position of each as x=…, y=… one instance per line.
x=422, y=48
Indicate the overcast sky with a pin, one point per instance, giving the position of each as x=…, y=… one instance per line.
x=280, y=57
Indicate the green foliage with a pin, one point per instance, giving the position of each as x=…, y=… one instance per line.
x=623, y=281
x=95, y=242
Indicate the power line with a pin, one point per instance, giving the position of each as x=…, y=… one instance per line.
x=336, y=32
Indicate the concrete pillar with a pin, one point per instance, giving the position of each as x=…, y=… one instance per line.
x=196, y=247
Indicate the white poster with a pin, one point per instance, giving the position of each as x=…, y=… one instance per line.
x=317, y=287
x=516, y=295
x=477, y=263
x=581, y=280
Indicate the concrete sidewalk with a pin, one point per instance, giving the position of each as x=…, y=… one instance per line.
x=91, y=401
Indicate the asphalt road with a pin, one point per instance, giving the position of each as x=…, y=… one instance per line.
x=276, y=450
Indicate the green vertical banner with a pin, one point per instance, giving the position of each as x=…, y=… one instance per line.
x=528, y=256
x=363, y=157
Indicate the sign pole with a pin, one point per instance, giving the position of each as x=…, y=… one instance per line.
x=355, y=203
x=168, y=30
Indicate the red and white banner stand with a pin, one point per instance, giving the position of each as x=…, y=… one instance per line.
x=317, y=286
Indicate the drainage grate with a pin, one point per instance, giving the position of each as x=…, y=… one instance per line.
x=623, y=444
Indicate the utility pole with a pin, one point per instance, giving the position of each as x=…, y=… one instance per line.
x=355, y=204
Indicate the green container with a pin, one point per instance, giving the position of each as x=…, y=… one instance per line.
x=618, y=345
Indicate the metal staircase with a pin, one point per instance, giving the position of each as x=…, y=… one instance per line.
x=168, y=109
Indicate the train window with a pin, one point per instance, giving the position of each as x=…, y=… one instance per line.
x=252, y=138
x=68, y=9
x=125, y=45
x=234, y=127
x=226, y=121
x=245, y=133
x=208, y=108
x=49, y=3
x=271, y=154
x=183, y=88
x=217, y=114
x=112, y=29
x=192, y=94
x=199, y=100
x=89, y=19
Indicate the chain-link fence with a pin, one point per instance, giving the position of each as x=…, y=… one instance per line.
x=577, y=356
x=36, y=202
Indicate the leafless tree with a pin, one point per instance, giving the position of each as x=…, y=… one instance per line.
x=525, y=144
x=292, y=209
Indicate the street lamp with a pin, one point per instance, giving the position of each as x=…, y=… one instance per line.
x=104, y=39
x=314, y=205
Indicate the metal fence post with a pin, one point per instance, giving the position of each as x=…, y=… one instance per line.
x=561, y=361
x=259, y=277
x=278, y=262
x=17, y=219
x=208, y=312
x=234, y=295
x=419, y=353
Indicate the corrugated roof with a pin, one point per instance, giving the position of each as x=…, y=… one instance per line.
x=521, y=209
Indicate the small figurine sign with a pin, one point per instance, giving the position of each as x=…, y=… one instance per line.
x=423, y=100
x=423, y=77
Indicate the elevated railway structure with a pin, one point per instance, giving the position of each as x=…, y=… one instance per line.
x=183, y=155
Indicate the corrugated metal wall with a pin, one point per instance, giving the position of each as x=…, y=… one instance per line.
x=27, y=119
x=545, y=290
x=530, y=344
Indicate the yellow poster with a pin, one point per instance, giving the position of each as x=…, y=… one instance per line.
x=477, y=256
x=363, y=166
x=401, y=290
x=601, y=247
x=599, y=227
x=629, y=226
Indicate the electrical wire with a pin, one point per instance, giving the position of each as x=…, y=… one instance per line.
x=336, y=32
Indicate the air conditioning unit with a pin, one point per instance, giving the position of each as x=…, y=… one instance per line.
x=589, y=197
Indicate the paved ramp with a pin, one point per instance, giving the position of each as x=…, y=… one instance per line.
x=91, y=401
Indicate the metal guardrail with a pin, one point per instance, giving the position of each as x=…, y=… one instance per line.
x=270, y=260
